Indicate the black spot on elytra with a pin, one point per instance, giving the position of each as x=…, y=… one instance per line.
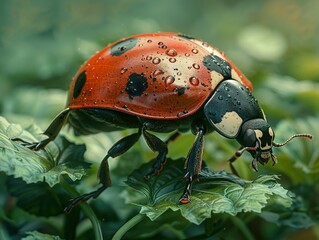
x=217, y=64
x=121, y=47
x=136, y=85
x=79, y=84
x=181, y=91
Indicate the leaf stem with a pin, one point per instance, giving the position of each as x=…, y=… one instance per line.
x=86, y=209
x=127, y=226
x=243, y=228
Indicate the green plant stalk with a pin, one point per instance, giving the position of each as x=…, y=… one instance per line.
x=243, y=228
x=86, y=209
x=127, y=226
x=71, y=222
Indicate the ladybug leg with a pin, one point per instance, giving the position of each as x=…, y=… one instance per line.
x=52, y=131
x=193, y=165
x=157, y=145
x=104, y=176
x=236, y=155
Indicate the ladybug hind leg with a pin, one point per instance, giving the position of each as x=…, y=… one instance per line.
x=104, y=176
x=51, y=132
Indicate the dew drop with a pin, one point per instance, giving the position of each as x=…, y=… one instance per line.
x=149, y=58
x=157, y=72
x=195, y=51
x=149, y=40
x=171, y=52
x=172, y=60
x=156, y=60
x=194, y=81
x=179, y=73
x=182, y=113
x=162, y=45
x=220, y=97
x=187, y=54
x=238, y=102
x=123, y=70
x=169, y=80
x=196, y=66
x=205, y=44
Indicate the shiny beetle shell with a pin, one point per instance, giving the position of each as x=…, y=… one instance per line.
x=158, y=76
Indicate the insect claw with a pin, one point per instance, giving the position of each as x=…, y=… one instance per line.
x=254, y=164
x=274, y=159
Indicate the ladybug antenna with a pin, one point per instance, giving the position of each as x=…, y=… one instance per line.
x=308, y=136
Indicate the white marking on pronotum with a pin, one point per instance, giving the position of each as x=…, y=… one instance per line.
x=230, y=124
x=216, y=78
x=235, y=76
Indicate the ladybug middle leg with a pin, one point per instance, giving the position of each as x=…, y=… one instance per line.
x=156, y=145
x=104, y=177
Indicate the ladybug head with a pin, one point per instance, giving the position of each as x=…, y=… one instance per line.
x=257, y=137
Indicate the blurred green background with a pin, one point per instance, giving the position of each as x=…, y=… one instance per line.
x=44, y=42
x=275, y=43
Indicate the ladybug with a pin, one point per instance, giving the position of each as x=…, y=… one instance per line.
x=164, y=82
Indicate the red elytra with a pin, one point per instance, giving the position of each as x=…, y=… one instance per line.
x=176, y=81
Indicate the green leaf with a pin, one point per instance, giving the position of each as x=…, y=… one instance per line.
x=38, y=198
x=34, y=235
x=291, y=219
x=217, y=192
x=59, y=158
x=285, y=97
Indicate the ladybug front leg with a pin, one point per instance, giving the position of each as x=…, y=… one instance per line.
x=104, y=176
x=193, y=165
x=236, y=155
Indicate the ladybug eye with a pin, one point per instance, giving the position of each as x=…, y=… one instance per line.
x=249, y=138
